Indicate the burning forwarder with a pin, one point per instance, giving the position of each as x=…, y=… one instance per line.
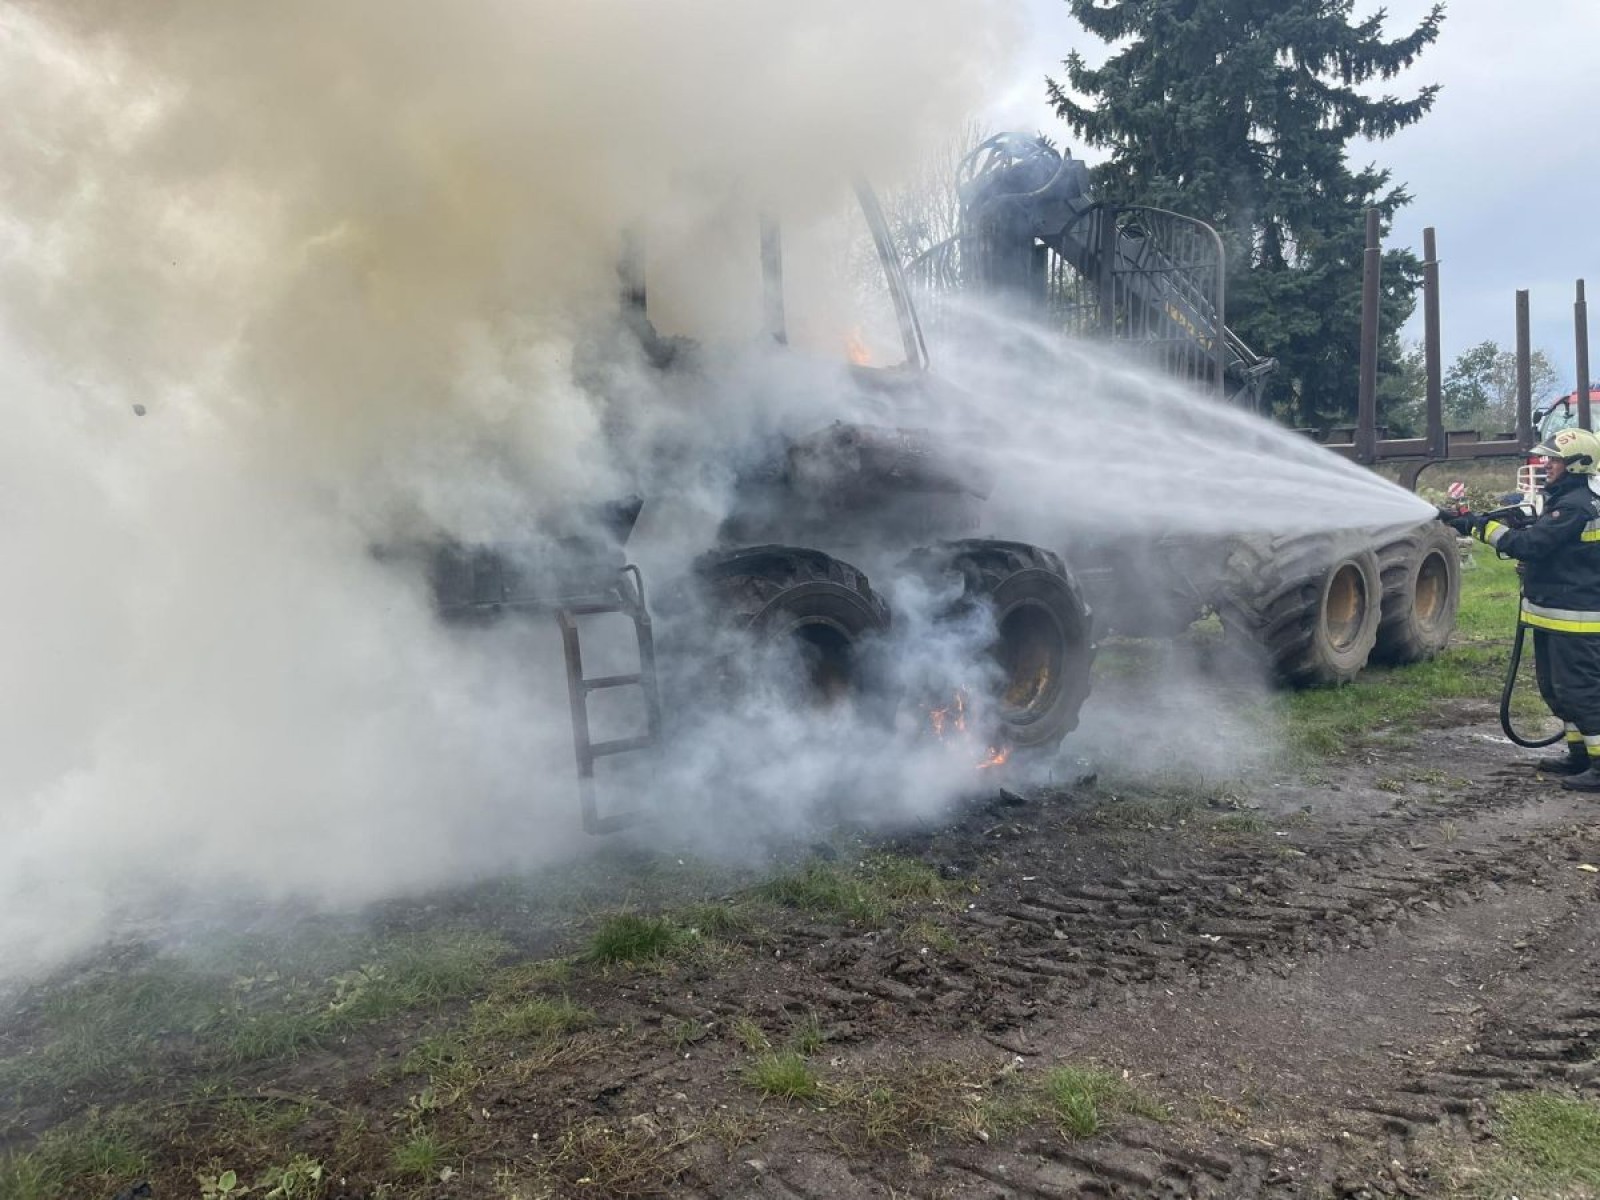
x=783, y=591
x=783, y=587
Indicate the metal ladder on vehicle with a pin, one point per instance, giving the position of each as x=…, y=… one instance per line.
x=627, y=599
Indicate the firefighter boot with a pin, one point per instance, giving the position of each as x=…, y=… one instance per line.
x=1574, y=762
x=1588, y=781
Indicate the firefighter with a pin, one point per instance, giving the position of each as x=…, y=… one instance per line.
x=1558, y=557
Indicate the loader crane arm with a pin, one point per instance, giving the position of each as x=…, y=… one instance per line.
x=1027, y=211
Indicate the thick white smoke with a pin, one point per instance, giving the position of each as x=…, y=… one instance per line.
x=355, y=265
x=341, y=257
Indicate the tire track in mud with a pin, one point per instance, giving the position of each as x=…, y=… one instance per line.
x=1544, y=1033
x=1119, y=1165
x=1509, y=848
x=1055, y=1171
x=1391, y=1143
x=1061, y=942
x=1230, y=908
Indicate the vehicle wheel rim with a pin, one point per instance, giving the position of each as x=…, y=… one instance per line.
x=1031, y=654
x=1433, y=589
x=1346, y=608
x=827, y=660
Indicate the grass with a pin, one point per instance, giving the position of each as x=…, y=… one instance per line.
x=299, y=1178
x=632, y=938
x=259, y=998
x=783, y=1073
x=165, y=1026
x=532, y=976
x=123, y=1030
x=1546, y=1144
x=826, y=888
x=901, y=880
x=592, y=882
x=928, y=1101
x=98, y=1156
x=805, y=1039
x=867, y=893
x=808, y=1037
x=103, y=1031
x=1550, y=1143
x=926, y=934
x=599, y=1159
x=721, y=920
x=906, y=1108
x=407, y=974
x=421, y=1155
x=262, y=1120
x=441, y=1054
x=507, y=1026
x=1080, y=1099
x=684, y=1034
x=750, y=1035
x=532, y=1028
x=1145, y=814
x=538, y=1018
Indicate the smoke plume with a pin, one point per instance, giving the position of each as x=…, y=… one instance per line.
x=281, y=283
x=341, y=257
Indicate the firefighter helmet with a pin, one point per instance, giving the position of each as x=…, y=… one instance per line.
x=1578, y=448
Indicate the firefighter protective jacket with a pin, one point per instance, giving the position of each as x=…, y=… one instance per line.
x=1561, y=550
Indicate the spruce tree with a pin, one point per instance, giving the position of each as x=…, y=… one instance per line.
x=1240, y=112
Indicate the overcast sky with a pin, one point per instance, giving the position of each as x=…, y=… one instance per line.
x=1504, y=167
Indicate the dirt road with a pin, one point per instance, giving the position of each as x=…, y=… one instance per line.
x=1326, y=991
x=1324, y=988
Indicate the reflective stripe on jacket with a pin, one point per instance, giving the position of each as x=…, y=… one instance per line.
x=1561, y=620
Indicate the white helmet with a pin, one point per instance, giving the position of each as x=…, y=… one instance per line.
x=1578, y=448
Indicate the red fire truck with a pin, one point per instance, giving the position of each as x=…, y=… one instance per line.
x=1561, y=413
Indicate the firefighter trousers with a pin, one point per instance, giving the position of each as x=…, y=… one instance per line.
x=1568, y=669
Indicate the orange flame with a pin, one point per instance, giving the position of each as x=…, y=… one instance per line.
x=996, y=757
x=855, y=347
x=951, y=720
x=952, y=717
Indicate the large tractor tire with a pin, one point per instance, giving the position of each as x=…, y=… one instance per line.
x=1307, y=609
x=1421, y=575
x=1043, y=633
x=792, y=597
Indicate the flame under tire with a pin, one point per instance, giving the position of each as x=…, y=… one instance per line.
x=792, y=596
x=1421, y=592
x=1043, y=640
x=1306, y=608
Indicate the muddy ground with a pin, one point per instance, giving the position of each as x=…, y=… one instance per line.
x=1309, y=988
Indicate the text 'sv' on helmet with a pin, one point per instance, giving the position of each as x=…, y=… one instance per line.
x=1578, y=448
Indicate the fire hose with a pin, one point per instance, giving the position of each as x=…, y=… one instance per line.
x=1516, y=517
x=1510, y=686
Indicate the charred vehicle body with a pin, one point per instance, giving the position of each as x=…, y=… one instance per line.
x=808, y=519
